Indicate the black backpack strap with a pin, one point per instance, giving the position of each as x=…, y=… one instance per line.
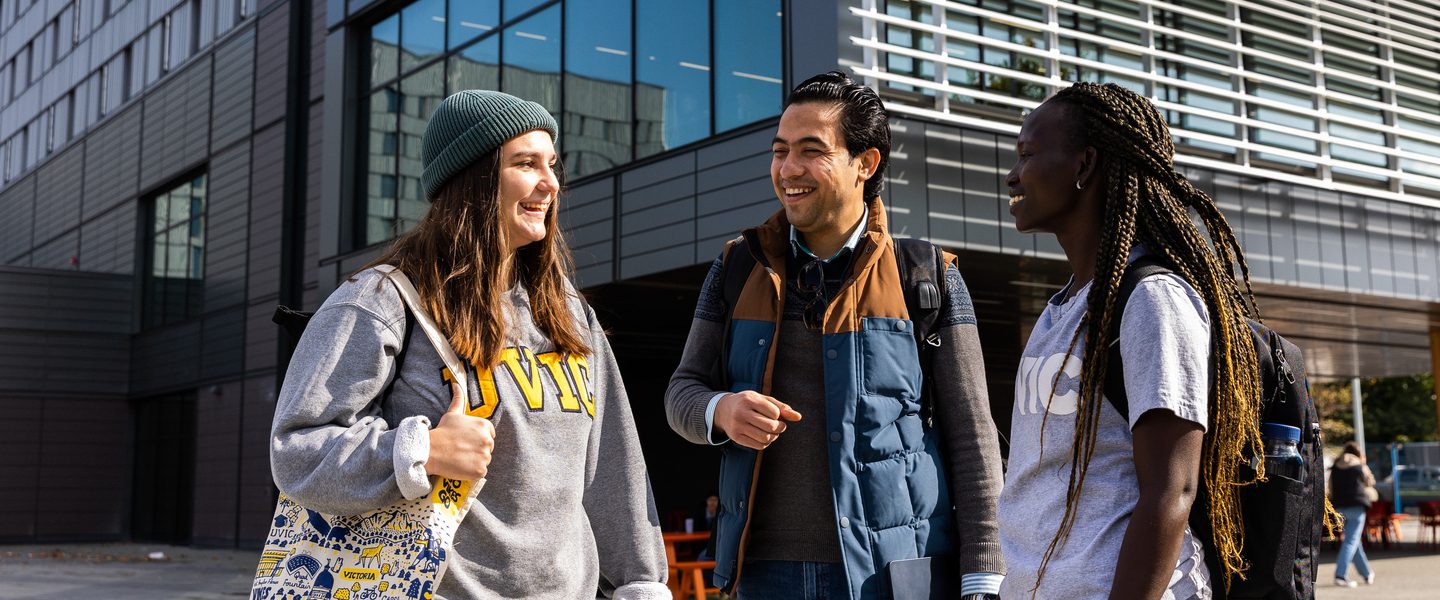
x=1143, y=267
x=922, y=268
x=292, y=322
x=735, y=266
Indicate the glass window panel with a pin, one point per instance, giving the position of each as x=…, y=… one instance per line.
x=1411, y=59
x=748, y=84
x=1283, y=36
x=1193, y=49
x=422, y=33
x=1359, y=134
x=672, y=76
x=470, y=19
x=1354, y=111
x=1357, y=155
x=1416, y=102
x=1331, y=38
x=908, y=38
x=1282, y=140
x=1113, y=30
x=515, y=8
x=384, y=50
x=532, y=59
x=1283, y=71
x=162, y=213
x=1114, y=7
x=420, y=94
x=597, y=86
x=476, y=67
x=379, y=210
x=179, y=204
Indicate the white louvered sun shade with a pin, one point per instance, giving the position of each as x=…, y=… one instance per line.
x=1341, y=94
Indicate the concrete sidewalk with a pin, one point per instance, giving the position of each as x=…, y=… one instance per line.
x=123, y=572
x=1405, y=571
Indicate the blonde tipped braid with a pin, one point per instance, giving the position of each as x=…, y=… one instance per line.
x=1148, y=203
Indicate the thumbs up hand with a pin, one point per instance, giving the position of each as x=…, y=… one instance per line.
x=460, y=445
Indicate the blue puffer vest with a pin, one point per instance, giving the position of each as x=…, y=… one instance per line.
x=887, y=476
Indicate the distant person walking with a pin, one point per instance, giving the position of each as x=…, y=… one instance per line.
x=1352, y=491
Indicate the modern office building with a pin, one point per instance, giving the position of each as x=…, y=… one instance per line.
x=173, y=169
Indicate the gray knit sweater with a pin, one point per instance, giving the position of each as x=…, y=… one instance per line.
x=567, y=508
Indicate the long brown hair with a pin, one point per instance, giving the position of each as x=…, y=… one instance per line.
x=1147, y=202
x=459, y=259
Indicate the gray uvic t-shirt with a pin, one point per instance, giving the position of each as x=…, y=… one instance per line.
x=1165, y=344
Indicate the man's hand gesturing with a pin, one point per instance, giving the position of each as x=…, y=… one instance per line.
x=752, y=419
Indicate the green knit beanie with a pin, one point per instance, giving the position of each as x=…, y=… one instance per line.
x=470, y=124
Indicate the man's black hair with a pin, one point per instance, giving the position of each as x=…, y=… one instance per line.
x=863, y=120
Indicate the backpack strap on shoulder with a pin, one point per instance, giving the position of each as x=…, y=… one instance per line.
x=736, y=262
x=922, y=268
x=1143, y=267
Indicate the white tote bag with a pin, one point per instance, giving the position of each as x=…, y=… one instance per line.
x=397, y=552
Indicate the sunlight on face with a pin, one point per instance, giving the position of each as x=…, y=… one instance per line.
x=529, y=186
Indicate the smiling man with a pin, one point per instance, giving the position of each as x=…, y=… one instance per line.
x=802, y=352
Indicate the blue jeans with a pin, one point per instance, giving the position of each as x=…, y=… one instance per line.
x=1350, y=546
x=774, y=579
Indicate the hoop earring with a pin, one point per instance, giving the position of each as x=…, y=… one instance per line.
x=1077, y=185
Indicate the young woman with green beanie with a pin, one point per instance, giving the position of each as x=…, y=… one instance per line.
x=367, y=414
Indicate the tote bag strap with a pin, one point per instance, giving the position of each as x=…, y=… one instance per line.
x=411, y=296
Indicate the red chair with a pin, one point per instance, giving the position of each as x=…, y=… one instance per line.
x=1430, y=519
x=1382, y=524
x=1379, y=525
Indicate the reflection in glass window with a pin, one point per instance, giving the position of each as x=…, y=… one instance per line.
x=422, y=33
x=907, y=37
x=476, y=67
x=618, y=99
x=175, y=251
x=532, y=59
x=381, y=109
x=384, y=50
x=672, y=92
x=420, y=94
x=748, y=84
x=1216, y=52
x=1427, y=147
x=470, y=19
x=515, y=8
x=1285, y=37
x=1013, y=29
x=1115, y=7
x=596, y=123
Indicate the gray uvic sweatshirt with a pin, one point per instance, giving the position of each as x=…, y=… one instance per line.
x=567, y=507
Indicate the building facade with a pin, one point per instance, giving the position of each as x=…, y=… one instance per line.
x=173, y=169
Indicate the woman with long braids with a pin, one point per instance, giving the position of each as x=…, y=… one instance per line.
x=1095, y=506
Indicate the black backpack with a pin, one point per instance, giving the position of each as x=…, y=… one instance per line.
x=921, y=264
x=1282, y=517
